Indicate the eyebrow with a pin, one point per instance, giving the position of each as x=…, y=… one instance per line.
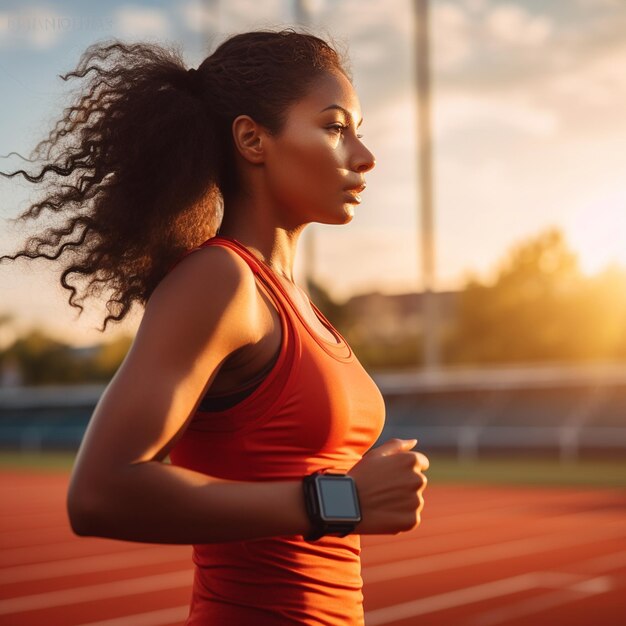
x=344, y=111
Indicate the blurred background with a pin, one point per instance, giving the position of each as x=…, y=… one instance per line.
x=482, y=281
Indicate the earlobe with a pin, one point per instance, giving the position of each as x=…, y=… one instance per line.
x=248, y=139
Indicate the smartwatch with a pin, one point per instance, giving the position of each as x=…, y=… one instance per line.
x=332, y=504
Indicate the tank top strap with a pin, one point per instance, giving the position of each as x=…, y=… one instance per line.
x=254, y=263
x=338, y=349
x=256, y=400
x=258, y=268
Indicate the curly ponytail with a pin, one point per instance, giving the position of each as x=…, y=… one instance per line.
x=143, y=159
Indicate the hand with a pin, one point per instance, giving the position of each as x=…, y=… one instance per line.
x=390, y=482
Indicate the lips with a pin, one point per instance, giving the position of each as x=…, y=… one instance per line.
x=357, y=188
x=352, y=193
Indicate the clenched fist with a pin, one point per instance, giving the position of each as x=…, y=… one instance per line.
x=390, y=483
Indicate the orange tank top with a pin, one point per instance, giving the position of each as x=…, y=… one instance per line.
x=316, y=408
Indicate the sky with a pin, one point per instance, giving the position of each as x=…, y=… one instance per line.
x=529, y=131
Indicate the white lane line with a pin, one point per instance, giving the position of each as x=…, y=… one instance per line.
x=604, y=563
x=601, y=584
x=89, y=564
x=454, y=520
x=449, y=600
x=485, y=591
x=373, y=557
x=591, y=586
x=531, y=606
x=435, y=529
x=407, y=540
x=152, y=618
x=64, y=549
x=117, y=589
x=484, y=554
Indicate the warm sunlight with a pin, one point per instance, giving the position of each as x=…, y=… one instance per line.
x=598, y=232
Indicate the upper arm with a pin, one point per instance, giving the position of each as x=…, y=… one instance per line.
x=200, y=313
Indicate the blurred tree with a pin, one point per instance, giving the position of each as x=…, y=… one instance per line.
x=540, y=308
x=379, y=354
x=373, y=352
x=324, y=302
x=42, y=360
x=110, y=356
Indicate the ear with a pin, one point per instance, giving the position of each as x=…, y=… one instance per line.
x=248, y=137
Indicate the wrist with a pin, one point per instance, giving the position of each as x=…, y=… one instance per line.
x=332, y=504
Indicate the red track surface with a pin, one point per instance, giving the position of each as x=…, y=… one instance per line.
x=483, y=556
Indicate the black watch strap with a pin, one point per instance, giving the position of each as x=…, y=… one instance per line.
x=320, y=530
x=321, y=527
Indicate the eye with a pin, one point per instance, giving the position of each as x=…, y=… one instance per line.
x=337, y=128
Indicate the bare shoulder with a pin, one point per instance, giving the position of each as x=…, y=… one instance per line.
x=211, y=291
x=200, y=313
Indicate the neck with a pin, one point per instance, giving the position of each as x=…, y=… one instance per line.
x=259, y=231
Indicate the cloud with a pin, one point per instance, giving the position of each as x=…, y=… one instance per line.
x=595, y=4
x=598, y=84
x=515, y=111
x=36, y=27
x=138, y=21
x=451, y=36
x=512, y=25
x=212, y=16
x=200, y=17
x=475, y=5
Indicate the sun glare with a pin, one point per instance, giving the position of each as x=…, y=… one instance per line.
x=598, y=232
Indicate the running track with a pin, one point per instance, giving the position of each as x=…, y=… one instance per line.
x=483, y=556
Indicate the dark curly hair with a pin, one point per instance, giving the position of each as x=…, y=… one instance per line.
x=143, y=160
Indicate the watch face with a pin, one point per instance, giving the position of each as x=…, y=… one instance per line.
x=338, y=499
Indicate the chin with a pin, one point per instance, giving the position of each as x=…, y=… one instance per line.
x=346, y=218
x=349, y=213
x=337, y=220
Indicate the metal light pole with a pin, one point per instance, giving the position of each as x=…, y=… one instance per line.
x=431, y=356
x=301, y=12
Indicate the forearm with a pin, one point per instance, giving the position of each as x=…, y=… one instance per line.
x=155, y=502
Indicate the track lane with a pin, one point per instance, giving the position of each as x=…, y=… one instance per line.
x=481, y=553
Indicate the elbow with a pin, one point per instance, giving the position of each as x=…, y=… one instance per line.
x=82, y=512
x=78, y=516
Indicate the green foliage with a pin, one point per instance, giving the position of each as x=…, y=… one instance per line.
x=42, y=360
x=540, y=308
x=110, y=356
x=398, y=352
x=324, y=302
x=401, y=353
x=517, y=470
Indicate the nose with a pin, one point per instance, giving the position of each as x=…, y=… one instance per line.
x=363, y=160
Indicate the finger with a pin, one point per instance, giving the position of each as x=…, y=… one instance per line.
x=423, y=483
x=422, y=461
x=392, y=446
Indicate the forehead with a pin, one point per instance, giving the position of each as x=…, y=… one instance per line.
x=329, y=89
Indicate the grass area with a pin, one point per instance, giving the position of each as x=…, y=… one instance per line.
x=529, y=471
x=444, y=469
x=43, y=461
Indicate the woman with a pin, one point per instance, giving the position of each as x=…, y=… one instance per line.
x=233, y=372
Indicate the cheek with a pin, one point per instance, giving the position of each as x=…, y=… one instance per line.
x=308, y=164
